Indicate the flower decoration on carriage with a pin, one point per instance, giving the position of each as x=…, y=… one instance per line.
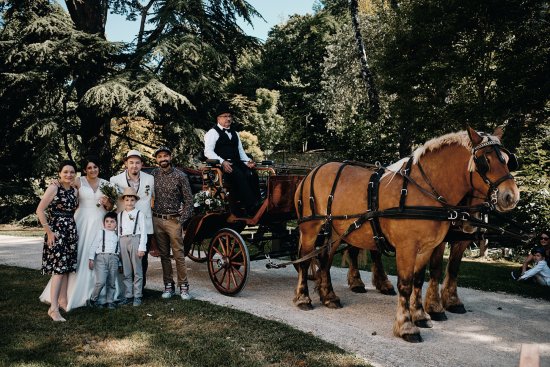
x=111, y=192
x=204, y=202
x=147, y=190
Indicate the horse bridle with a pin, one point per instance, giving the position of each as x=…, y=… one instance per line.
x=482, y=167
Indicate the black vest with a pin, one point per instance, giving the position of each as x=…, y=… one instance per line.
x=225, y=147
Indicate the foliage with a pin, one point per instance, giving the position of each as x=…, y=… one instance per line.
x=533, y=178
x=159, y=333
x=263, y=120
x=290, y=63
x=441, y=65
x=71, y=82
x=251, y=146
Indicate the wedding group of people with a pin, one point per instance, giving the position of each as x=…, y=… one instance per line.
x=83, y=236
x=85, y=242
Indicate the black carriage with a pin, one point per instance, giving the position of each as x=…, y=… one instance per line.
x=228, y=242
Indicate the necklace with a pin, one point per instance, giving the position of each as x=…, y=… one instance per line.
x=128, y=181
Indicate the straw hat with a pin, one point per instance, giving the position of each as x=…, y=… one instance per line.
x=130, y=191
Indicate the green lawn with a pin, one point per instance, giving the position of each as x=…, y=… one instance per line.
x=160, y=333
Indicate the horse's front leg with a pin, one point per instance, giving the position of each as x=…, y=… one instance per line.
x=449, y=294
x=432, y=304
x=324, y=282
x=354, y=278
x=379, y=277
x=403, y=326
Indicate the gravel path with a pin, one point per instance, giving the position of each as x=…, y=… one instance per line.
x=490, y=334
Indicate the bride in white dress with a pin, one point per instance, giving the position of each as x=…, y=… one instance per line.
x=89, y=219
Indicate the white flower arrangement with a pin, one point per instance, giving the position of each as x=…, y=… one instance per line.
x=111, y=192
x=205, y=203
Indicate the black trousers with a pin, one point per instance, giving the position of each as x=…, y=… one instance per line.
x=245, y=185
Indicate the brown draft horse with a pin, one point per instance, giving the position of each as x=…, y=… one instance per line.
x=452, y=164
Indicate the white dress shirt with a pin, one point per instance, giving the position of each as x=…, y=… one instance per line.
x=540, y=268
x=111, y=244
x=127, y=222
x=210, y=139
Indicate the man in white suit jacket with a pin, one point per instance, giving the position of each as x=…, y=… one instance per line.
x=144, y=184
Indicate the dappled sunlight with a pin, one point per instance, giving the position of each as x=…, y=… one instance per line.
x=115, y=349
x=477, y=337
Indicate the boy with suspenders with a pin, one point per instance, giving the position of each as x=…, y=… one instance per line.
x=103, y=259
x=133, y=244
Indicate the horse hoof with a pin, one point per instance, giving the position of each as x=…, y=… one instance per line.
x=305, y=306
x=359, y=289
x=333, y=304
x=456, y=309
x=438, y=316
x=388, y=292
x=412, y=338
x=426, y=324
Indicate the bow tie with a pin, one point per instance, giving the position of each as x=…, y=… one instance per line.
x=226, y=130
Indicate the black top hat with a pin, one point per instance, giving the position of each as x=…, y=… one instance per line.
x=223, y=107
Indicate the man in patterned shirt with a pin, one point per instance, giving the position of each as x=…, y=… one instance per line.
x=172, y=206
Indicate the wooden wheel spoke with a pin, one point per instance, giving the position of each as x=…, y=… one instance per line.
x=218, y=251
x=236, y=254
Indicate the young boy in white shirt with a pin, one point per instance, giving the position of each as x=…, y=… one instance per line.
x=103, y=260
x=133, y=242
x=540, y=272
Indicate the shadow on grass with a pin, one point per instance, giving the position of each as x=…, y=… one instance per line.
x=159, y=333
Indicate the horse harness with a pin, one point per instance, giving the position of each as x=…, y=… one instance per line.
x=445, y=212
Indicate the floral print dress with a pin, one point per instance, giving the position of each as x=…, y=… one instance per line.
x=61, y=258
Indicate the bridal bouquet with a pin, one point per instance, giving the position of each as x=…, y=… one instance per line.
x=205, y=203
x=111, y=192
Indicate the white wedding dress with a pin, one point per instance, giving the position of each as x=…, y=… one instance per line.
x=89, y=219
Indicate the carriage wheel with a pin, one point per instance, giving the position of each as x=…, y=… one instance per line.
x=228, y=262
x=198, y=251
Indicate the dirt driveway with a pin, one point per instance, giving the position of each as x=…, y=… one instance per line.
x=490, y=334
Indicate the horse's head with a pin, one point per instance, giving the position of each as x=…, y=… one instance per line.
x=490, y=170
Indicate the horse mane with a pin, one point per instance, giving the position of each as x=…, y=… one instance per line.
x=460, y=138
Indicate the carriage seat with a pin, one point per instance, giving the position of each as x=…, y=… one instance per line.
x=212, y=162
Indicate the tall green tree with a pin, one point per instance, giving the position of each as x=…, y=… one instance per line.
x=62, y=82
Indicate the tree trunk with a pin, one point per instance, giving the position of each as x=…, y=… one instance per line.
x=90, y=16
x=368, y=78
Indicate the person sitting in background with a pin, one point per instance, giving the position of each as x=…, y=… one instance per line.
x=540, y=272
x=224, y=144
x=530, y=259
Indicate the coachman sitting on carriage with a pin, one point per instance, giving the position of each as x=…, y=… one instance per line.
x=222, y=143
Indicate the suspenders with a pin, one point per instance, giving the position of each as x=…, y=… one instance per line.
x=120, y=223
x=103, y=245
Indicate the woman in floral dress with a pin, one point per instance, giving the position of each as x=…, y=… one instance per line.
x=92, y=206
x=59, y=255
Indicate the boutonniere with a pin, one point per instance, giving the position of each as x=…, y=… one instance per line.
x=131, y=217
x=147, y=189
